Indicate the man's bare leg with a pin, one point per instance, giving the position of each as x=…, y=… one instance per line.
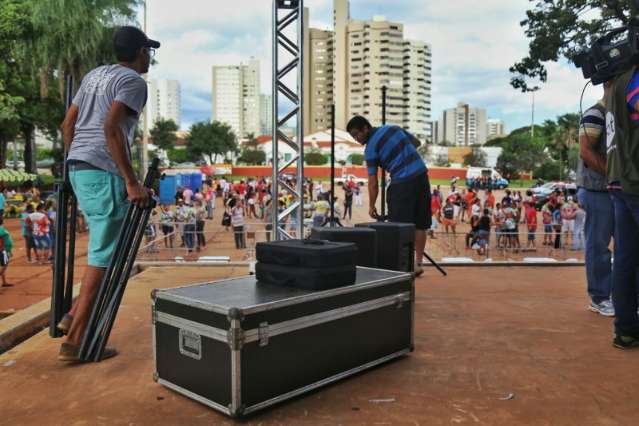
x=84, y=304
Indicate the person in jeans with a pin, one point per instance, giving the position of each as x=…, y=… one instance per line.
x=200, y=215
x=622, y=173
x=27, y=232
x=237, y=221
x=595, y=199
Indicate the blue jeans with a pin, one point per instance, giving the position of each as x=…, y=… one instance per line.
x=624, y=271
x=598, y=230
x=189, y=236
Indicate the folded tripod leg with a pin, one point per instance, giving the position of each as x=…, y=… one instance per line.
x=116, y=277
x=61, y=294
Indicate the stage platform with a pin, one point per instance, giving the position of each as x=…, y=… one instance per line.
x=493, y=346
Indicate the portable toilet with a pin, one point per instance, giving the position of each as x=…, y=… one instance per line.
x=168, y=188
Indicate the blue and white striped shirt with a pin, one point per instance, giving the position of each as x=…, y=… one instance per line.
x=391, y=148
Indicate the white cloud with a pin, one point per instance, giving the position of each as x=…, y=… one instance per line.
x=473, y=44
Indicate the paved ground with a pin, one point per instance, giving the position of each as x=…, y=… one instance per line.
x=514, y=347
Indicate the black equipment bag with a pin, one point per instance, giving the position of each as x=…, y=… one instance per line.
x=304, y=277
x=365, y=238
x=395, y=245
x=306, y=253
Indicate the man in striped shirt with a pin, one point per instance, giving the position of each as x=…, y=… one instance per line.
x=594, y=197
x=395, y=151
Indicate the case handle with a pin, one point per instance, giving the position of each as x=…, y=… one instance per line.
x=190, y=344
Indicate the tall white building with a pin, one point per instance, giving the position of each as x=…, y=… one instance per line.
x=266, y=115
x=417, y=89
x=495, y=128
x=349, y=65
x=164, y=101
x=236, y=97
x=462, y=126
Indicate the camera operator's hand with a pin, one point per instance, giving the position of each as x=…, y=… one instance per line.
x=138, y=194
x=372, y=211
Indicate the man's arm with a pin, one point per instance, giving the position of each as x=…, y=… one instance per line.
x=588, y=152
x=116, y=143
x=373, y=190
x=68, y=126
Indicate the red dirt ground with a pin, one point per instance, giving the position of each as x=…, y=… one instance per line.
x=494, y=346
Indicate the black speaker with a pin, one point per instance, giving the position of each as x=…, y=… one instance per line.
x=364, y=238
x=395, y=245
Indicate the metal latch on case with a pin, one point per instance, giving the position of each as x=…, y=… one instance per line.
x=399, y=301
x=262, y=333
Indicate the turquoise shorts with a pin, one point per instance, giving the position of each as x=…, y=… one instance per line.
x=103, y=200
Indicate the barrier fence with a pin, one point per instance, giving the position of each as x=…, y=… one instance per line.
x=184, y=242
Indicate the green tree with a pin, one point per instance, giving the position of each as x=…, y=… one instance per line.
x=520, y=153
x=252, y=157
x=251, y=153
x=476, y=158
x=357, y=159
x=211, y=140
x=315, y=158
x=563, y=28
x=14, y=27
x=163, y=134
x=179, y=155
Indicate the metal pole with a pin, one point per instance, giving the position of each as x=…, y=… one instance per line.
x=294, y=51
x=532, y=125
x=300, y=119
x=275, y=136
x=383, y=192
x=145, y=132
x=333, y=165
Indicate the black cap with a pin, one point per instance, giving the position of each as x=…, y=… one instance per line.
x=133, y=38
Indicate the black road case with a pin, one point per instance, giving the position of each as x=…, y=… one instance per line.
x=395, y=245
x=365, y=238
x=240, y=345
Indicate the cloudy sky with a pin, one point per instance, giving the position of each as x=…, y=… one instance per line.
x=474, y=43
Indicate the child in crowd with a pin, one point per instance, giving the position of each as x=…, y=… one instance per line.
x=531, y=222
x=6, y=245
x=27, y=232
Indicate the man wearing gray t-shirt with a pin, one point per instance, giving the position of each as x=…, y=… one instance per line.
x=98, y=133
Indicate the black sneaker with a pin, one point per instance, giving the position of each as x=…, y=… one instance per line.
x=626, y=341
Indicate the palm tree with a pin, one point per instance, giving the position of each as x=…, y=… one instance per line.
x=73, y=36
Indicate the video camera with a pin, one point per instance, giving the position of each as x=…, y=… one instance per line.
x=611, y=55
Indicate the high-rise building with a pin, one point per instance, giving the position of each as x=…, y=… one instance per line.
x=164, y=101
x=318, y=78
x=375, y=53
x=355, y=60
x=417, y=89
x=236, y=97
x=341, y=19
x=462, y=126
x=495, y=128
x=266, y=114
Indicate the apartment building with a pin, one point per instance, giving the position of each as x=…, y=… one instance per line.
x=236, y=97
x=462, y=126
x=164, y=101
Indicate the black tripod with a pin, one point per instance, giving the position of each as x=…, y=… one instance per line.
x=67, y=205
x=107, y=302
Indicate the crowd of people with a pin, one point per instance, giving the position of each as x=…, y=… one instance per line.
x=245, y=202
x=561, y=225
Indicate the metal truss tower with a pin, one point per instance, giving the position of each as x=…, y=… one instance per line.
x=288, y=101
